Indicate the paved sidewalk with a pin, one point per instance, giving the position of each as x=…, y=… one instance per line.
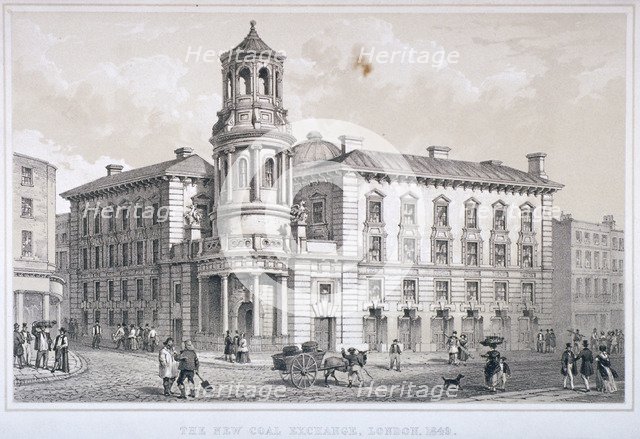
x=29, y=375
x=547, y=395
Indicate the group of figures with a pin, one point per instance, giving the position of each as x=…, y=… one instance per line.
x=39, y=340
x=236, y=348
x=132, y=338
x=546, y=342
x=605, y=374
x=457, y=348
x=183, y=366
x=612, y=340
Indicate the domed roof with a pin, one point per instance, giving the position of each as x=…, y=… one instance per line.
x=314, y=149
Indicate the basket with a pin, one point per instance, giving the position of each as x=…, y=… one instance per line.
x=290, y=350
x=310, y=346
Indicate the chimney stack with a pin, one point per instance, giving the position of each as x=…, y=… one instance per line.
x=536, y=164
x=183, y=152
x=114, y=169
x=439, y=152
x=350, y=143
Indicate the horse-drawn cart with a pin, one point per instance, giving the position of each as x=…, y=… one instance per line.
x=299, y=366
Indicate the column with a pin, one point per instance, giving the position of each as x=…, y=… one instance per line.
x=199, y=304
x=256, y=305
x=257, y=177
x=229, y=176
x=224, y=278
x=20, y=308
x=216, y=180
x=45, y=306
x=284, y=308
x=289, y=160
x=59, y=314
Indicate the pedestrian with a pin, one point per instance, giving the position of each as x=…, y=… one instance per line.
x=569, y=367
x=18, y=349
x=505, y=373
x=132, y=338
x=586, y=368
x=614, y=342
x=577, y=340
x=168, y=369
x=552, y=341
x=119, y=337
x=492, y=367
x=188, y=366
x=61, y=348
x=42, y=345
x=463, y=352
x=153, y=339
x=26, y=347
x=354, y=365
x=595, y=339
x=236, y=344
x=605, y=375
x=97, y=335
x=452, y=344
x=145, y=337
x=602, y=342
x=540, y=342
x=243, y=350
x=547, y=342
x=139, y=337
x=228, y=348
x=394, y=355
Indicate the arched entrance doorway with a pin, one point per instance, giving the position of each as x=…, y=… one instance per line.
x=245, y=319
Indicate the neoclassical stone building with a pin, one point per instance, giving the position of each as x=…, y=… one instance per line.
x=289, y=241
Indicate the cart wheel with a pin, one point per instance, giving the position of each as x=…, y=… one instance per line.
x=284, y=375
x=303, y=371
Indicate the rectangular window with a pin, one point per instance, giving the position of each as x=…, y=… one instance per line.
x=85, y=291
x=85, y=318
x=605, y=260
x=111, y=224
x=375, y=248
x=605, y=240
x=500, y=255
x=154, y=288
x=409, y=250
x=587, y=238
x=27, y=176
x=177, y=293
x=125, y=290
x=587, y=287
x=473, y=291
x=587, y=259
x=96, y=258
x=614, y=243
x=409, y=293
x=317, y=212
x=472, y=253
x=409, y=214
x=578, y=258
x=499, y=220
x=375, y=290
x=85, y=226
x=375, y=212
x=527, y=292
x=96, y=316
x=578, y=287
x=442, y=291
x=605, y=286
x=596, y=260
x=442, y=215
x=471, y=217
x=527, y=256
x=125, y=219
x=27, y=243
x=620, y=265
x=596, y=239
x=97, y=291
x=155, y=251
x=139, y=253
x=112, y=318
x=500, y=289
x=527, y=220
x=139, y=289
x=614, y=264
x=140, y=317
x=154, y=218
x=97, y=217
x=442, y=252
x=621, y=244
x=324, y=292
x=154, y=317
x=138, y=215
x=112, y=255
x=596, y=287
x=27, y=208
x=85, y=258
x=578, y=236
x=125, y=254
x=125, y=317
x=110, y=290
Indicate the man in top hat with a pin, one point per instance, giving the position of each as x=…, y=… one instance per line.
x=61, y=348
x=569, y=367
x=394, y=355
x=586, y=368
x=97, y=335
x=18, y=349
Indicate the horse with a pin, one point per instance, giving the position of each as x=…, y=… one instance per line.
x=341, y=364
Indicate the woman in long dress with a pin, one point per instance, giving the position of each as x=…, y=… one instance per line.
x=463, y=353
x=243, y=349
x=605, y=375
x=492, y=367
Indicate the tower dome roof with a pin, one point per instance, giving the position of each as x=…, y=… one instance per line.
x=314, y=149
x=252, y=42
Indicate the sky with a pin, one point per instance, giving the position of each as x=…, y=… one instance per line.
x=90, y=89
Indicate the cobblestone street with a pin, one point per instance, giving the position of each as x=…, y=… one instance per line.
x=112, y=376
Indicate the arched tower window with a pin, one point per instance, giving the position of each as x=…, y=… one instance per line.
x=264, y=85
x=229, y=86
x=278, y=85
x=244, y=81
x=268, y=173
x=243, y=178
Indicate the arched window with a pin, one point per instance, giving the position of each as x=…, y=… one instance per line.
x=243, y=178
x=278, y=85
x=264, y=85
x=268, y=180
x=229, y=86
x=244, y=81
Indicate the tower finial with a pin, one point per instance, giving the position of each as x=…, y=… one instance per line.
x=253, y=24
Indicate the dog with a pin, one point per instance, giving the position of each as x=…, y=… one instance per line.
x=453, y=382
